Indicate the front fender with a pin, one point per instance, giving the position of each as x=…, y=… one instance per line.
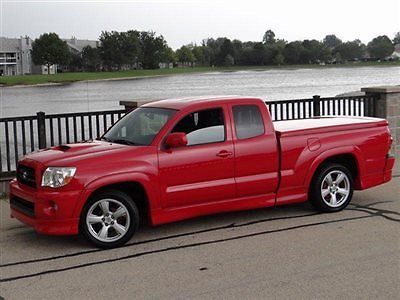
x=148, y=182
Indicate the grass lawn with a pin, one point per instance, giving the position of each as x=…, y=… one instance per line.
x=82, y=76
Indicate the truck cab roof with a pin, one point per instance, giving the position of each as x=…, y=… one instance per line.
x=185, y=102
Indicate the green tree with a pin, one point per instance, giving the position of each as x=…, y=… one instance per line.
x=185, y=55
x=332, y=41
x=75, y=62
x=49, y=49
x=129, y=43
x=314, y=52
x=350, y=50
x=293, y=51
x=380, y=47
x=120, y=48
x=261, y=54
x=133, y=47
x=279, y=59
x=170, y=55
x=229, y=60
x=91, y=58
x=225, y=49
x=277, y=51
x=153, y=49
x=199, y=54
x=269, y=37
x=110, y=51
x=213, y=50
x=237, y=50
x=337, y=58
x=396, y=39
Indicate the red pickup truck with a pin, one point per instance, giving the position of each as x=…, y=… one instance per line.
x=175, y=159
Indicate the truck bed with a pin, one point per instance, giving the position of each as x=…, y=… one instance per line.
x=325, y=124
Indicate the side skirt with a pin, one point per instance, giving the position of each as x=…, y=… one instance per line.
x=169, y=215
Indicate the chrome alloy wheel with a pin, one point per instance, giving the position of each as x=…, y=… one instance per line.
x=335, y=188
x=108, y=220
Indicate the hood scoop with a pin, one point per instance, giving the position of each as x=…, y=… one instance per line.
x=74, y=147
x=63, y=148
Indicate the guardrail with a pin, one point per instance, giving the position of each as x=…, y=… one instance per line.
x=21, y=135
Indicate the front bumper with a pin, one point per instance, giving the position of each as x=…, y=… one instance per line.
x=47, y=211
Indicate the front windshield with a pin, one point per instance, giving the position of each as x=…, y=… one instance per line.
x=140, y=126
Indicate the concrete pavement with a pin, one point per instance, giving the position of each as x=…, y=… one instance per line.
x=286, y=252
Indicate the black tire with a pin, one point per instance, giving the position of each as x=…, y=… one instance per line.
x=115, y=199
x=320, y=186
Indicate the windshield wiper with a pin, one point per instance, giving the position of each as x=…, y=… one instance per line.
x=121, y=141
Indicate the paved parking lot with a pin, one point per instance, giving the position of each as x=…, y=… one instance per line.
x=286, y=252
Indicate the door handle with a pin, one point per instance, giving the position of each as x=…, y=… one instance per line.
x=224, y=153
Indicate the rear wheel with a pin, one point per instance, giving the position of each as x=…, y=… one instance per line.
x=109, y=219
x=332, y=188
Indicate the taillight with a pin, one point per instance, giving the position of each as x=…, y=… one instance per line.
x=390, y=144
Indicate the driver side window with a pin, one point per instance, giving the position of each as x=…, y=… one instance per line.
x=202, y=127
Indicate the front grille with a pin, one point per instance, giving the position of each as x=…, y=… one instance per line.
x=26, y=175
x=26, y=207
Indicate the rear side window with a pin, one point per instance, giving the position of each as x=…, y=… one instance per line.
x=203, y=127
x=248, y=121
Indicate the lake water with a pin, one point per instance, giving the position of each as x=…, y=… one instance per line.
x=275, y=84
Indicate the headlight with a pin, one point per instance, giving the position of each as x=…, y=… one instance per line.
x=57, y=177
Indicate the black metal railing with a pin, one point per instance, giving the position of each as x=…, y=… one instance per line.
x=315, y=107
x=21, y=135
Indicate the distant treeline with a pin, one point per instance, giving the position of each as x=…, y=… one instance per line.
x=147, y=50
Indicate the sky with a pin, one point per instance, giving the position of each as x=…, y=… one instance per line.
x=183, y=22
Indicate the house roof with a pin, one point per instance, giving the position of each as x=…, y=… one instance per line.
x=14, y=44
x=78, y=45
x=9, y=45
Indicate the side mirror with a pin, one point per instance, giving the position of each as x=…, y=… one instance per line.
x=176, y=139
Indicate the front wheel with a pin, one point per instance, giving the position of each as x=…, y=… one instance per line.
x=332, y=188
x=109, y=219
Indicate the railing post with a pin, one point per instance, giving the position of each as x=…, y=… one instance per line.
x=41, y=126
x=129, y=105
x=317, y=106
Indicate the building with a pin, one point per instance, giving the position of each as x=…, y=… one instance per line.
x=166, y=65
x=396, y=53
x=76, y=46
x=44, y=70
x=15, y=56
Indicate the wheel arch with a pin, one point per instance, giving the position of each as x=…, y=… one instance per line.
x=134, y=190
x=350, y=157
x=137, y=186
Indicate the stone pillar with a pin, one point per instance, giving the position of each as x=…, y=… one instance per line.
x=388, y=107
x=129, y=105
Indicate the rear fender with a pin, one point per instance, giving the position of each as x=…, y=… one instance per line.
x=352, y=150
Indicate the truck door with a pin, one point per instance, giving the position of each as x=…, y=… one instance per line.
x=202, y=171
x=256, y=151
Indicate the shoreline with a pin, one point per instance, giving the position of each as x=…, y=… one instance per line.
x=81, y=77
x=83, y=81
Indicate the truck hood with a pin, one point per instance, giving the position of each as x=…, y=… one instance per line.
x=68, y=154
